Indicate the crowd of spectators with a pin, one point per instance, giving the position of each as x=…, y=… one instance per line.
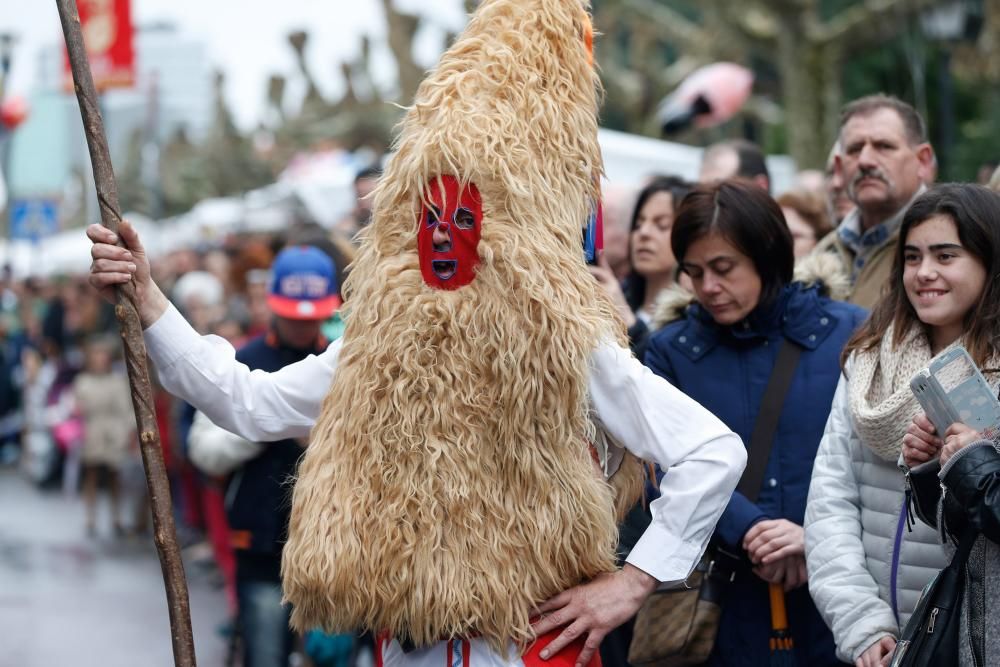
x=869, y=268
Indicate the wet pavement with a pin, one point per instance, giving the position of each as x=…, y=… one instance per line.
x=73, y=601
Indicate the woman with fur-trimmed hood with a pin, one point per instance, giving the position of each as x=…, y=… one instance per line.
x=720, y=346
x=467, y=421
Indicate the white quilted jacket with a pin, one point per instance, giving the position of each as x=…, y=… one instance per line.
x=852, y=516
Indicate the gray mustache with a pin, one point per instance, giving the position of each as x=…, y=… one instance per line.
x=870, y=173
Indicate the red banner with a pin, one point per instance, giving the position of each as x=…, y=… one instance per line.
x=107, y=33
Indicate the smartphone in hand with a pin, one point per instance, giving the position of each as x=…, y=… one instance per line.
x=593, y=233
x=951, y=389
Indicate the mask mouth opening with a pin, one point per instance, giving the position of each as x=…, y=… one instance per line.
x=444, y=268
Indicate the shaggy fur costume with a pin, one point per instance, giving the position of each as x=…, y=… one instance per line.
x=449, y=486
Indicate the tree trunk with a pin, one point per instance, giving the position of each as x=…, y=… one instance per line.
x=800, y=66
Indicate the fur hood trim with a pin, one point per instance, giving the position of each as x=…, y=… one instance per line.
x=825, y=270
x=671, y=305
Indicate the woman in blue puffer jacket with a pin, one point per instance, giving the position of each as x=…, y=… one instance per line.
x=720, y=349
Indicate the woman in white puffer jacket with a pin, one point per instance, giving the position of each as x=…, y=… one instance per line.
x=866, y=565
x=864, y=582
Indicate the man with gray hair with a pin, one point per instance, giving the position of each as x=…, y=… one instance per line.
x=885, y=161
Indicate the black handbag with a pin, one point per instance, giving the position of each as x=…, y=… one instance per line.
x=931, y=637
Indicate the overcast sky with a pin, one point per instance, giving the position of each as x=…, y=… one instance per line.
x=246, y=38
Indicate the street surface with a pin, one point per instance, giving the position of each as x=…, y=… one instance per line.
x=72, y=601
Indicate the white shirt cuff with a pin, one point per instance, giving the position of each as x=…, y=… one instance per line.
x=664, y=556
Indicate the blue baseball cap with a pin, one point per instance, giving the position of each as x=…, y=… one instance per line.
x=303, y=284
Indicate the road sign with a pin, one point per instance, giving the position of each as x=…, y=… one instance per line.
x=33, y=219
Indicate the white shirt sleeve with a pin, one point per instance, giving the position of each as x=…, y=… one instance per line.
x=702, y=458
x=256, y=405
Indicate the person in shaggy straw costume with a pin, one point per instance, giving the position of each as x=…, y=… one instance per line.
x=466, y=424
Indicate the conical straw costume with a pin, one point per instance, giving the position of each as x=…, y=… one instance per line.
x=449, y=485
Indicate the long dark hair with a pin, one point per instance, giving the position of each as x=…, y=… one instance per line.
x=746, y=216
x=975, y=210
x=635, y=284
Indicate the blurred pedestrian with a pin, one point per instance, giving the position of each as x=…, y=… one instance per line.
x=806, y=218
x=12, y=342
x=720, y=347
x=200, y=295
x=248, y=276
x=653, y=267
x=619, y=205
x=735, y=159
x=302, y=294
x=62, y=415
x=39, y=456
x=838, y=204
x=361, y=213
x=104, y=401
x=812, y=181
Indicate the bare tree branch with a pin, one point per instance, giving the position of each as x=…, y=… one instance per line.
x=402, y=29
x=675, y=28
x=754, y=21
x=867, y=23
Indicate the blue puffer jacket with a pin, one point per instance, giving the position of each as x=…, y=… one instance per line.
x=726, y=369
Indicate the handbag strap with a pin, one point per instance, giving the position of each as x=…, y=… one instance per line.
x=767, y=419
x=964, y=547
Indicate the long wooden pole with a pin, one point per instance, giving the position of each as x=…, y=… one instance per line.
x=127, y=313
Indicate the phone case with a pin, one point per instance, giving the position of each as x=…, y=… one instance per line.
x=951, y=389
x=593, y=233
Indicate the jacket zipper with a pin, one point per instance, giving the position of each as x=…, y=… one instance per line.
x=942, y=528
x=930, y=624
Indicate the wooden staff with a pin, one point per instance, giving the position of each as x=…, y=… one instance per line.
x=130, y=328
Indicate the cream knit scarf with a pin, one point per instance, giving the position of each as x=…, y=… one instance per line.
x=882, y=404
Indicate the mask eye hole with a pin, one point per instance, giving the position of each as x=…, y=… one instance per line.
x=433, y=215
x=464, y=219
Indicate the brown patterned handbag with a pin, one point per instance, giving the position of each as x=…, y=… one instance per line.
x=676, y=627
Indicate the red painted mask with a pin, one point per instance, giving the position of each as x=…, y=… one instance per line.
x=448, y=233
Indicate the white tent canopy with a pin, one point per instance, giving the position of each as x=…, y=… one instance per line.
x=630, y=159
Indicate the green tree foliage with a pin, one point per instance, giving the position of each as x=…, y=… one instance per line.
x=809, y=56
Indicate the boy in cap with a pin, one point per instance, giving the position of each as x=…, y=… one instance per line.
x=302, y=294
